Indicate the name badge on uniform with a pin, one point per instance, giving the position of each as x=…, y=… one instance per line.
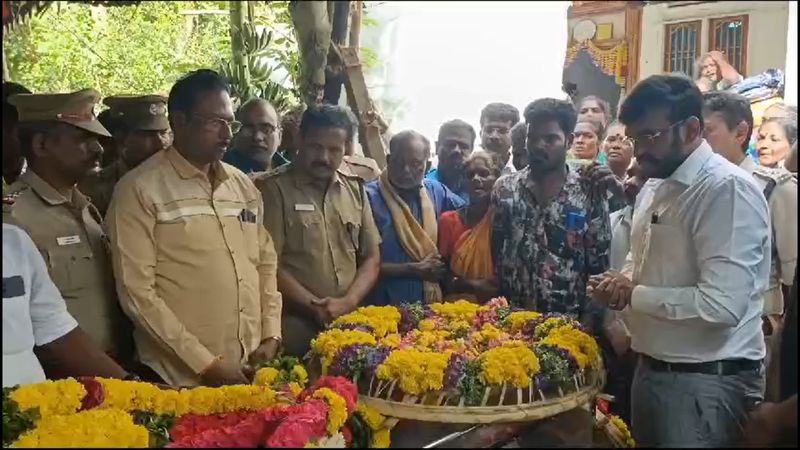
x=303, y=207
x=68, y=240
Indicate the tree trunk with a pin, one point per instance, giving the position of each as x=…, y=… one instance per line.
x=355, y=25
x=238, y=61
x=334, y=71
x=313, y=30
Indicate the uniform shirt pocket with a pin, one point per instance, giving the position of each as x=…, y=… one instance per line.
x=350, y=231
x=305, y=232
x=68, y=266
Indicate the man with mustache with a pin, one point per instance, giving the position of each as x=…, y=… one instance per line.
x=699, y=265
x=195, y=268
x=58, y=137
x=407, y=208
x=497, y=120
x=255, y=145
x=519, y=156
x=141, y=131
x=321, y=221
x=455, y=142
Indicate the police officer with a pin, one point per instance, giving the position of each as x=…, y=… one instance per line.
x=58, y=137
x=322, y=226
x=35, y=316
x=357, y=165
x=141, y=130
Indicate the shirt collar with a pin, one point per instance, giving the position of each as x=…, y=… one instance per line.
x=43, y=189
x=688, y=171
x=301, y=178
x=748, y=164
x=186, y=170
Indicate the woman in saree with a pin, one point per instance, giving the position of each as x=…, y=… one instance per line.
x=465, y=235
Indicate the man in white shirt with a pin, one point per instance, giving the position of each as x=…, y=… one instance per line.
x=699, y=265
x=497, y=120
x=39, y=335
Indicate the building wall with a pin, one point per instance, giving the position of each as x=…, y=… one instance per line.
x=791, y=56
x=616, y=18
x=766, y=36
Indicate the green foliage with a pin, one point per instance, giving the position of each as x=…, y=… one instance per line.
x=15, y=422
x=157, y=425
x=137, y=49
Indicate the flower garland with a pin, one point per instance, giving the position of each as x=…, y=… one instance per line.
x=620, y=425
x=382, y=320
x=417, y=371
x=513, y=362
x=120, y=413
x=91, y=428
x=50, y=397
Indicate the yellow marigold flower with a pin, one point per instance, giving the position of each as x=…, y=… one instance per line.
x=337, y=409
x=300, y=374
x=487, y=333
x=415, y=371
x=391, y=340
x=517, y=319
x=511, y=363
x=427, y=325
x=382, y=319
x=111, y=428
x=582, y=346
x=623, y=428
x=266, y=376
x=51, y=397
x=295, y=389
x=328, y=343
x=371, y=416
x=381, y=438
x=459, y=310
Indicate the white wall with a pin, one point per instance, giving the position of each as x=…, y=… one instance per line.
x=790, y=94
x=766, y=36
x=447, y=60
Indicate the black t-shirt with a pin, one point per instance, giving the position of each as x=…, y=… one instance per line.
x=789, y=346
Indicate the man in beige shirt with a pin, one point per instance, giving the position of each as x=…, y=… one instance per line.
x=321, y=220
x=58, y=136
x=142, y=130
x=195, y=267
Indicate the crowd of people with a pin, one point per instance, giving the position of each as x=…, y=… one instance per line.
x=177, y=240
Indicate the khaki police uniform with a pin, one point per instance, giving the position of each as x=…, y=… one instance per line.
x=360, y=166
x=136, y=113
x=319, y=236
x=196, y=269
x=66, y=227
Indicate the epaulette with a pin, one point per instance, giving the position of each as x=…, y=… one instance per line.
x=778, y=175
x=10, y=197
x=363, y=161
x=268, y=173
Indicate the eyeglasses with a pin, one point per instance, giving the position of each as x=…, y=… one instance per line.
x=216, y=124
x=650, y=138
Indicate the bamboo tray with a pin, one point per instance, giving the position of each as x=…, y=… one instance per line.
x=500, y=404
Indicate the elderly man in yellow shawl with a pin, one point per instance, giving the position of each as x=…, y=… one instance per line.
x=406, y=208
x=465, y=235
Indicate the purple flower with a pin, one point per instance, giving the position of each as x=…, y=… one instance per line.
x=455, y=372
x=542, y=381
x=410, y=315
x=374, y=356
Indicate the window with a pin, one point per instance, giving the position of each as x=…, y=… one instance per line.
x=729, y=36
x=682, y=47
